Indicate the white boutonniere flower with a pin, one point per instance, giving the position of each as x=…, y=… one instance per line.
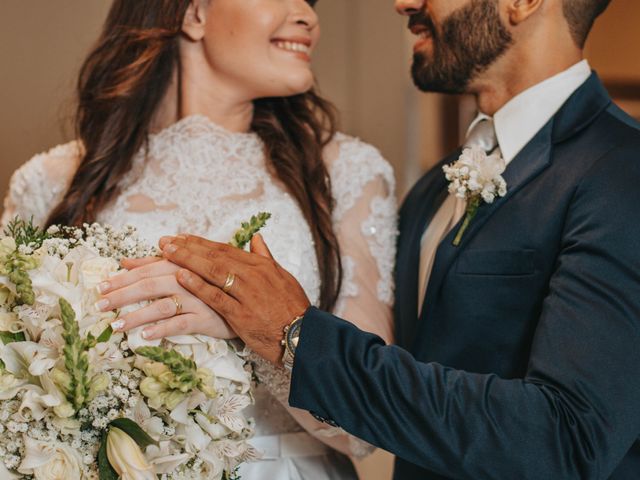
x=475, y=177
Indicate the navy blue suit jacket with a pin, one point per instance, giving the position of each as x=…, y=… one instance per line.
x=525, y=362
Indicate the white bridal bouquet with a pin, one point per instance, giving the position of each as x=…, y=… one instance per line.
x=78, y=401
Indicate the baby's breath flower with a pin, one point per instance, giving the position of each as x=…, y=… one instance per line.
x=475, y=177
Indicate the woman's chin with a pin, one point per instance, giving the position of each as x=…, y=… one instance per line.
x=300, y=86
x=290, y=84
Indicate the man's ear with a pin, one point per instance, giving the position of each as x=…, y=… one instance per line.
x=194, y=22
x=520, y=10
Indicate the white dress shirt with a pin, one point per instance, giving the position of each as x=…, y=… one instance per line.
x=516, y=123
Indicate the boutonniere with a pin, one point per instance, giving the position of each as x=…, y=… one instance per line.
x=475, y=177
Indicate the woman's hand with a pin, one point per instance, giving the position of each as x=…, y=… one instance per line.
x=262, y=298
x=154, y=279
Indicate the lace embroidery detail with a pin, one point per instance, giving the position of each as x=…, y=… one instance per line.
x=349, y=286
x=270, y=396
x=382, y=243
x=359, y=448
x=357, y=165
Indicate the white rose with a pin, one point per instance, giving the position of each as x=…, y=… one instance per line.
x=96, y=270
x=46, y=461
x=126, y=458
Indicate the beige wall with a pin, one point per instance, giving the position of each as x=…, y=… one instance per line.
x=42, y=43
x=615, y=42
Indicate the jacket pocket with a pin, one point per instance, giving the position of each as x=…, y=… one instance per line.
x=497, y=262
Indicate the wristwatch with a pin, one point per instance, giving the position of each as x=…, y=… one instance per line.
x=290, y=341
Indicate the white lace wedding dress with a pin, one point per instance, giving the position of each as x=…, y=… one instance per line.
x=199, y=178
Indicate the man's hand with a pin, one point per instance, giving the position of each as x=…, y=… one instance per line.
x=263, y=299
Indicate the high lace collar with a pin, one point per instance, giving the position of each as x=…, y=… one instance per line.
x=199, y=126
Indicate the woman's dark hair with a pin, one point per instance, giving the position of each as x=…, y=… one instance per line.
x=120, y=87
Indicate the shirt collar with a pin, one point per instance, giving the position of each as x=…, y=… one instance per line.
x=518, y=121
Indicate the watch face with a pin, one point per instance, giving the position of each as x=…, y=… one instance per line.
x=293, y=335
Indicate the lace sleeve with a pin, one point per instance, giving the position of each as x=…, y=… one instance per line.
x=40, y=184
x=365, y=221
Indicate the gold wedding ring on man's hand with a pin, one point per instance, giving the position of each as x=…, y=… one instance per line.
x=178, y=303
x=228, y=283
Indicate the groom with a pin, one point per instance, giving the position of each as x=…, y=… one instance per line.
x=518, y=351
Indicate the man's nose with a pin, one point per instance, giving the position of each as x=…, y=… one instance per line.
x=409, y=7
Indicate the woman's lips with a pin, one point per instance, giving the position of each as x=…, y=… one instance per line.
x=298, y=47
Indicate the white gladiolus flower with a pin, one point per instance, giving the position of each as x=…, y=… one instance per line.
x=126, y=458
x=46, y=461
x=165, y=459
x=38, y=359
x=36, y=401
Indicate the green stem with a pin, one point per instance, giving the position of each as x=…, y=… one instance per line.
x=472, y=210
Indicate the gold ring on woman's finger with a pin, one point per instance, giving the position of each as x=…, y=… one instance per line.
x=228, y=283
x=178, y=303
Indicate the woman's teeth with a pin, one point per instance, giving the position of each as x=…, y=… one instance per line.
x=293, y=46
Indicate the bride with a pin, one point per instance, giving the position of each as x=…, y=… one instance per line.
x=194, y=115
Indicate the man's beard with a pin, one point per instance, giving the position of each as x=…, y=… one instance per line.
x=470, y=40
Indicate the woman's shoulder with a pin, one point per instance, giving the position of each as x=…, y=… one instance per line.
x=347, y=153
x=353, y=165
x=39, y=184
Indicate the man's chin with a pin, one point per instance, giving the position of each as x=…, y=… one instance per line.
x=432, y=85
x=428, y=81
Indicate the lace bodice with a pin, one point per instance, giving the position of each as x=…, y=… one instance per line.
x=198, y=178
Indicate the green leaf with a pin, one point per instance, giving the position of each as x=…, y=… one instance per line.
x=132, y=429
x=105, y=470
x=106, y=335
x=8, y=337
x=26, y=233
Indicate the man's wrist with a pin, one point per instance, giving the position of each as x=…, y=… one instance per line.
x=290, y=339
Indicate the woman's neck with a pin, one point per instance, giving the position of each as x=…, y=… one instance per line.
x=194, y=95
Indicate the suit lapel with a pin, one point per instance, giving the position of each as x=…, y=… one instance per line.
x=530, y=162
x=418, y=212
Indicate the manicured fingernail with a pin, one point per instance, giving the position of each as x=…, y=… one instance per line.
x=117, y=325
x=103, y=287
x=103, y=304
x=147, y=334
x=183, y=275
x=171, y=248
